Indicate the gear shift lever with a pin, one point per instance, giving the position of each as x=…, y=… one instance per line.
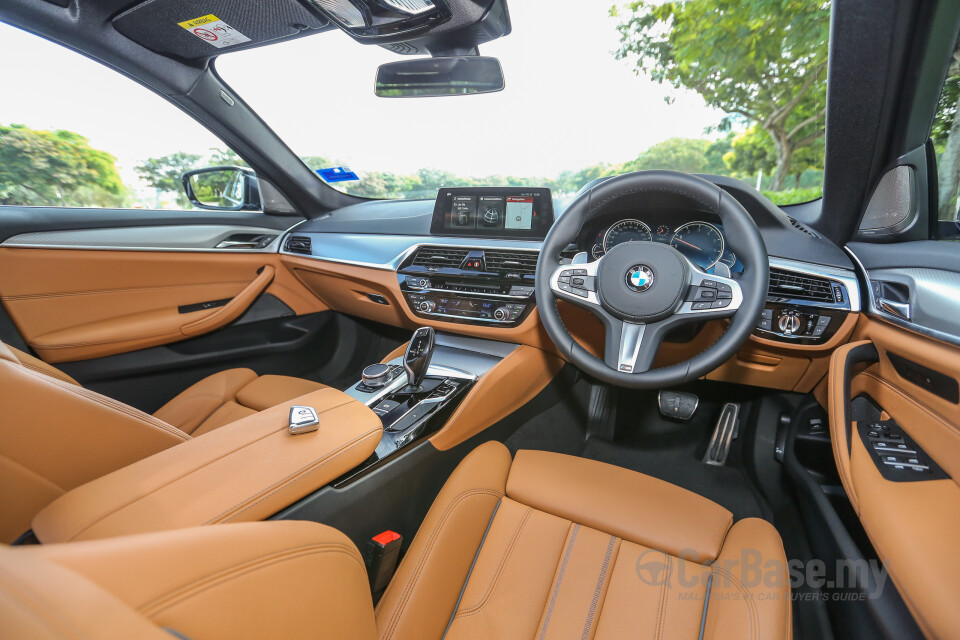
x=418, y=356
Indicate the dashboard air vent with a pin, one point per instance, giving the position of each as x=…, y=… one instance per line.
x=439, y=257
x=523, y=263
x=787, y=284
x=299, y=244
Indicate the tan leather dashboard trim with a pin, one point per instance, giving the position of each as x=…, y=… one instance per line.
x=247, y=470
x=761, y=362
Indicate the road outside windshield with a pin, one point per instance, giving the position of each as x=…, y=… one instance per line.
x=709, y=86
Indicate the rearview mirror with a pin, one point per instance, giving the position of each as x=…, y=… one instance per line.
x=444, y=76
x=223, y=188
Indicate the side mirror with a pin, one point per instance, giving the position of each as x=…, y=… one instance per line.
x=223, y=188
x=444, y=76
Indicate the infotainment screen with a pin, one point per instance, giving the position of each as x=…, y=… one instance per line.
x=493, y=212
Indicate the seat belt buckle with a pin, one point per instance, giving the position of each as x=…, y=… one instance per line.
x=381, y=558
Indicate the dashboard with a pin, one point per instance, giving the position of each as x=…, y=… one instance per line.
x=700, y=239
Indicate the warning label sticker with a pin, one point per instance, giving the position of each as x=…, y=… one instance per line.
x=212, y=29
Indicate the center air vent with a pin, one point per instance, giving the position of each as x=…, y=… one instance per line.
x=787, y=284
x=299, y=244
x=439, y=257
x=523, y=263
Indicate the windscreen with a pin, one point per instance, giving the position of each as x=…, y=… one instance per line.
x=707, y=86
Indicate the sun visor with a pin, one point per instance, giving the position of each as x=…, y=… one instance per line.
x=195, y=30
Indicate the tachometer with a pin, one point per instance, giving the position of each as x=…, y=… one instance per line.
x=702, y=243
x=628, y=230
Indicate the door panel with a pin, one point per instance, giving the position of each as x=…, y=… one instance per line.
x=74, y=304
x=895, y=427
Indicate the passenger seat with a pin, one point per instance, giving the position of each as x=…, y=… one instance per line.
x=56, y=435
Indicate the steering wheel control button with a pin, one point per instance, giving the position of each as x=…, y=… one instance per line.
x=706, y=294
x=699, y=306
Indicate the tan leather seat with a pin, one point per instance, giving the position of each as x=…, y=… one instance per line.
x=57, y=435
x=544, y=546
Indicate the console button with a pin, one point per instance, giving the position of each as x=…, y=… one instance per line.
x=767, y=313
x=823, y=321
x=766, y=324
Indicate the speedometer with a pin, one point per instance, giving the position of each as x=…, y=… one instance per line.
x=628, y=230
x=702, y=243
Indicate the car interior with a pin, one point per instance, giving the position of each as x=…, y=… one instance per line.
x=292, y=410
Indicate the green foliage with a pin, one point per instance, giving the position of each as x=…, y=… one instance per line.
x=761, y=61
x=164, y=173
x=56, y=168
x=794, y=196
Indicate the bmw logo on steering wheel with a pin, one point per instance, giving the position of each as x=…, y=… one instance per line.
x=640, y=278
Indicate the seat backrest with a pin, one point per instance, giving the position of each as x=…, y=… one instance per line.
x=55, y=435
x=41, y=600
x=34, y=363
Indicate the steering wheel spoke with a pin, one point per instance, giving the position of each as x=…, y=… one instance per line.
x=577, y=282
x=630, y=347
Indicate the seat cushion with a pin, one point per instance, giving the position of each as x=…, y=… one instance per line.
x=228, y=396
x=552, y=546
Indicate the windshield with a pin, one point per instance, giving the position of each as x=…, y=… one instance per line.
x=591, y=91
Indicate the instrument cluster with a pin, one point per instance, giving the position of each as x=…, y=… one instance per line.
x=702, y=242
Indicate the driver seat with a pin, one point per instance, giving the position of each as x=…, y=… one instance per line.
x=541, y=546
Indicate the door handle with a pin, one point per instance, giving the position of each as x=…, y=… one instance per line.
x=899, y=310
x=231, y=244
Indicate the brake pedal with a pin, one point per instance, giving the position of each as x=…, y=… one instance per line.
x=677, y=405
x=723, y=435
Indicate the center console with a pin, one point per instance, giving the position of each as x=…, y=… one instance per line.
x=492, y=283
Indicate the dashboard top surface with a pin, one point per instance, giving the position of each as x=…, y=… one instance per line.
x=379, y=231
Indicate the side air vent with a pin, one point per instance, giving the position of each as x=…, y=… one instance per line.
x=439, y=257
x=787, y=284
x=299, y=244
x=802, y=227
x=523, y=263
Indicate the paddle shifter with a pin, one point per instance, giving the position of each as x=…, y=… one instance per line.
x=417, y=359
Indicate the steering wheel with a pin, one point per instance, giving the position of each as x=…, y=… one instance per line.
x=642, y=290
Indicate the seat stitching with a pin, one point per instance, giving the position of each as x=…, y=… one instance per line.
x=205, y=583
x=601, y=580
x=666, y=595
x=559, y=581
x=112, y=404
x=283, y=483
x=54, y=373
x=503, y=561
x=751, y=605
x=657, y=630
x=408, y=588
